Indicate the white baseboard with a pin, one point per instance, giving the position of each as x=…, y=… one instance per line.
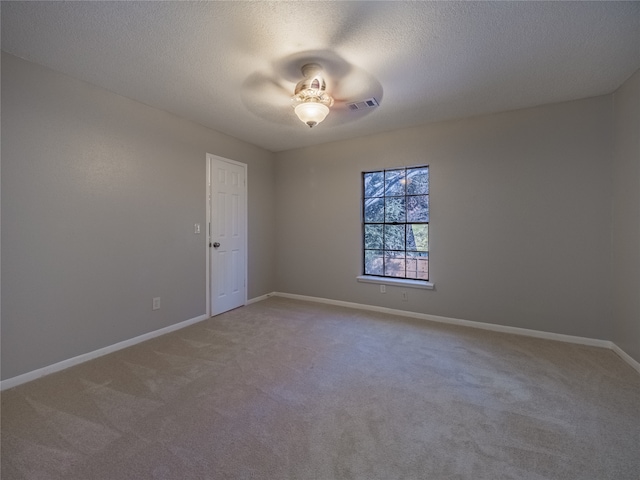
x=468, y=323
x=64, y=364
x=626, y=357
x=259, y=299
x=56, y=367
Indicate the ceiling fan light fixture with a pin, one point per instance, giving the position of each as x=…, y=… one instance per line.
x=311, y=112
x=310, y=101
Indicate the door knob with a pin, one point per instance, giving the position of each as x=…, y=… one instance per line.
x=216, y=245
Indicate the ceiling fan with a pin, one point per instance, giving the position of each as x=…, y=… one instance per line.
x=310, y=100
x=312, y=85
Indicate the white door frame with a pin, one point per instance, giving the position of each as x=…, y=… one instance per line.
x=209, y=159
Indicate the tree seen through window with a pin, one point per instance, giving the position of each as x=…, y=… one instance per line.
x=396, y=223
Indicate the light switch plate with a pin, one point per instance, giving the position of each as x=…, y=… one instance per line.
x=196, y=228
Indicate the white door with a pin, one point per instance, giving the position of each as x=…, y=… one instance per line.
x=228, y=234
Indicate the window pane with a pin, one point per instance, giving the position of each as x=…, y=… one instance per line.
x=394, y=237
x=418, y=181
x=374, y=184
x=395, y=210
x=374, y=210
x=394, y=182
x=418, y=208
x=373, y=262
x=394, y=263
x=373, y=237
x=418, y=237
x=396, y=222
x=418, y=265
x=411, y=266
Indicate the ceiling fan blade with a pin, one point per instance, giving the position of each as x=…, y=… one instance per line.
x=356, y=86
x=290, y=67
x=268, y=98
x=352, y=24
x=263, y=84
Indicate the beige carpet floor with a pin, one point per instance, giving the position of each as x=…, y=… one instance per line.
x=284, y=389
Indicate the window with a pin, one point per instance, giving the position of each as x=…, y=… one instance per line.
x=395, y=223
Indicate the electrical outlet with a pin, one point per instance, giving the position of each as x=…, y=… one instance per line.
x=404, y=296
x=383, y=289
x=156, y=303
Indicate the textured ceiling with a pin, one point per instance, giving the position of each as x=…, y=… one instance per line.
x=230, y=65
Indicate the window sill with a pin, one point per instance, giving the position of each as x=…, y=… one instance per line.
x=400, y=282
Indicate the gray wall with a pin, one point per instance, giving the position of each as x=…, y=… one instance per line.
x=99, y=197
x=626, y=218
x=520, y=217
x=100, y=194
